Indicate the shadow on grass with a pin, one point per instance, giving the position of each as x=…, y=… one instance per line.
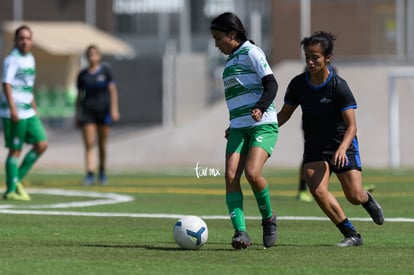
x=171, y=246
x=159, y=246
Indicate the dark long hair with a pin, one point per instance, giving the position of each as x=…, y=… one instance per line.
x=227, y=22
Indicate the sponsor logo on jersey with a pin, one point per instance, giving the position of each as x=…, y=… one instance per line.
x=325, y=100
x=230, y=82
x=101, y=78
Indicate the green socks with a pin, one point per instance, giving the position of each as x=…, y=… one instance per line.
x=12, y=173
x=234, y=203
x=27, y=163
x=263, y=202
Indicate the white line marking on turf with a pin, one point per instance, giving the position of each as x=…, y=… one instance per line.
x=173, y=216
x=112, y=198
x=105, y=198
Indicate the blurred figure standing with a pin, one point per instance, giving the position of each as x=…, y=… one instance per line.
x=96, y=109
x=18, y=111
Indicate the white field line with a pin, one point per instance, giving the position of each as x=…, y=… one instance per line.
x=112, y=198
x=100, y=199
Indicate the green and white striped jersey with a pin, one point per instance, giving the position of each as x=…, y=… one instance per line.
x=242, y=78
x=19, y=71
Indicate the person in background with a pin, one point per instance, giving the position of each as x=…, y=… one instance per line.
x=250, y=88
x=331, y=145
x=21, y=123
x=303, y=194
x=96, y=110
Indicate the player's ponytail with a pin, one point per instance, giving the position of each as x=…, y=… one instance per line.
x=227, y=22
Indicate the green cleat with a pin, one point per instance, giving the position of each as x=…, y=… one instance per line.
x=304, y=196
x=20, y=191
x=13, y=196
x=369, y=187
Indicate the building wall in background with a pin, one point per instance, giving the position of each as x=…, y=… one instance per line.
x=60, y=10
x=364, y=29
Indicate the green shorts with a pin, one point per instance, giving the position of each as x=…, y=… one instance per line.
x=28, y=130
x=240, y=140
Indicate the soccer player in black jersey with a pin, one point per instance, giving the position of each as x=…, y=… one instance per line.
x=329, y=125
x=96, y=109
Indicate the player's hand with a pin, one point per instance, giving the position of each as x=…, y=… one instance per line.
x=115, y=115
x=14, y=116
x=257, y=114
x=340, y=159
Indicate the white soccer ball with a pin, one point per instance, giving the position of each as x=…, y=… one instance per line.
x=190, y=232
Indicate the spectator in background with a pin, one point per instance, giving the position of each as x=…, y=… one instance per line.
x=18, y=111
x=303, y=194
x=96, y=110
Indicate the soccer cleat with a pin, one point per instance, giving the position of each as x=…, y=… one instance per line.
x=241, y=240
x=351, y=241
x=370, y=187
x=103, y=179
x=89, y=180
x=374, y=209
x=269, y=231
x=304, y=196
x=20, y=191
x=13, y=196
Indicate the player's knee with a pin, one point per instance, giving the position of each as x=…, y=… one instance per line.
x=252, y=175
x=356, y=198
x=230, y=177
x=41, y=147
x=318, y=192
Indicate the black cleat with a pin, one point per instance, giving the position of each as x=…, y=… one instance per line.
x=269, y=231
x=241, y=240
x=374, y=209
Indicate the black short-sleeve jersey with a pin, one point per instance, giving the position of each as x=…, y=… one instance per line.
x=94, y=89
x=322, y=108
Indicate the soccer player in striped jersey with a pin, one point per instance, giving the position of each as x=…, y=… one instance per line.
x=329, y=125
x=250, y=88
x=18, y=111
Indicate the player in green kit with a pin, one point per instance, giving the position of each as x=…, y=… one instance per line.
x=250, y=88
x=18, y=112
